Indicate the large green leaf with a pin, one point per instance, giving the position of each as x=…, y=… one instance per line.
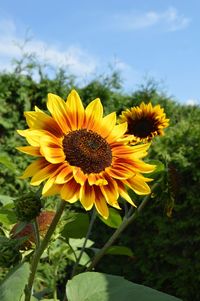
x=114, y=220
x=77, y=227
x=92, y=286
x=119, y=250
x=5, y=200
x=12, y=287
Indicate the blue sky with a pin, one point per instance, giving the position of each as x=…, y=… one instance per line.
x=154, y=38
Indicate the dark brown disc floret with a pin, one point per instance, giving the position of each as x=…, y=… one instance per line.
x=142, y=128
x=87, y=150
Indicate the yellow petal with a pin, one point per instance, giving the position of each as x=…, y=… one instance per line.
x=44, y=174
x=138, y=185
x=110, y=191
x=100, y=203
x=34, y=167
x=107, y=125
x=40, y=120
x=123, y=193
x=75, y=110
x=51, y=149
x=93, y=114
x=96, y=179
x=87, y=196
x=64, y=175
x=30, y=150
x=79, y=175
x=57, y=108
x=117, y=132
x=70, y=191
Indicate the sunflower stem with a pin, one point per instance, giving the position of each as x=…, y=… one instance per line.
x=92, y=220
x=39, y=251
x=36, y=232
x=126, y=221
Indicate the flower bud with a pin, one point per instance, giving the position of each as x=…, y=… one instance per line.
x=27, y=207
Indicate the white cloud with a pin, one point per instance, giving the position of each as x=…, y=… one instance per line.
x=77, y=61
x=192, y=102
x=169, y=19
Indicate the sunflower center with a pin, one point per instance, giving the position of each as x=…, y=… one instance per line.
x=87, y=150
x=142, y=127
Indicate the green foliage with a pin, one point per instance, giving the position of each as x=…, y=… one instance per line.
x=12, y=287
x=102, y=287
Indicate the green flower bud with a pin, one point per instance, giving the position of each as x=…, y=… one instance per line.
x=9, y=252
x=27, y=207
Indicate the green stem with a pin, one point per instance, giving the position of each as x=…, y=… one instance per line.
x=36, y=232
x=93, y=217
x=126, y=221
x=39, y=251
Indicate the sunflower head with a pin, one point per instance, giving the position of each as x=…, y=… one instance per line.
x=82, y=155
x=145, y=122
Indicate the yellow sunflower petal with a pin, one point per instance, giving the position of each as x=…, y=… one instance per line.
x=100, y=203
x=124, y=194
x=54, y=189
x=138, y=185
x=75, y=110
x=64, y=175
x=30, y=150
x=87, y=196
x=79, y=175
x=96, y=179
x=40, y=120
x=51, y=149
x=110, y=191
x=34, y=167
x=117, y=132
x=43, y=174
x=93, y=114
x=107, y=125
x=70, y=191
x=57, y=107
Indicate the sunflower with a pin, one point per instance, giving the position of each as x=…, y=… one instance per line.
x=144, y=122
x=82, y=155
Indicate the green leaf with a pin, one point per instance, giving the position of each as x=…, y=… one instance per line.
x=13, y=285
x=119, y=250
x=77, y=227
x=114, y=220
x=160, y=168
x=92, y=286
x=7, y=217
x=4, y=159
x=5, y=200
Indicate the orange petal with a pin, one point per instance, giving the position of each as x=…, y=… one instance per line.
x=75, y=110
x=87, y=196
x=30, y=150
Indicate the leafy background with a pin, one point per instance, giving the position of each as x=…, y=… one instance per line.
x=165, y=239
